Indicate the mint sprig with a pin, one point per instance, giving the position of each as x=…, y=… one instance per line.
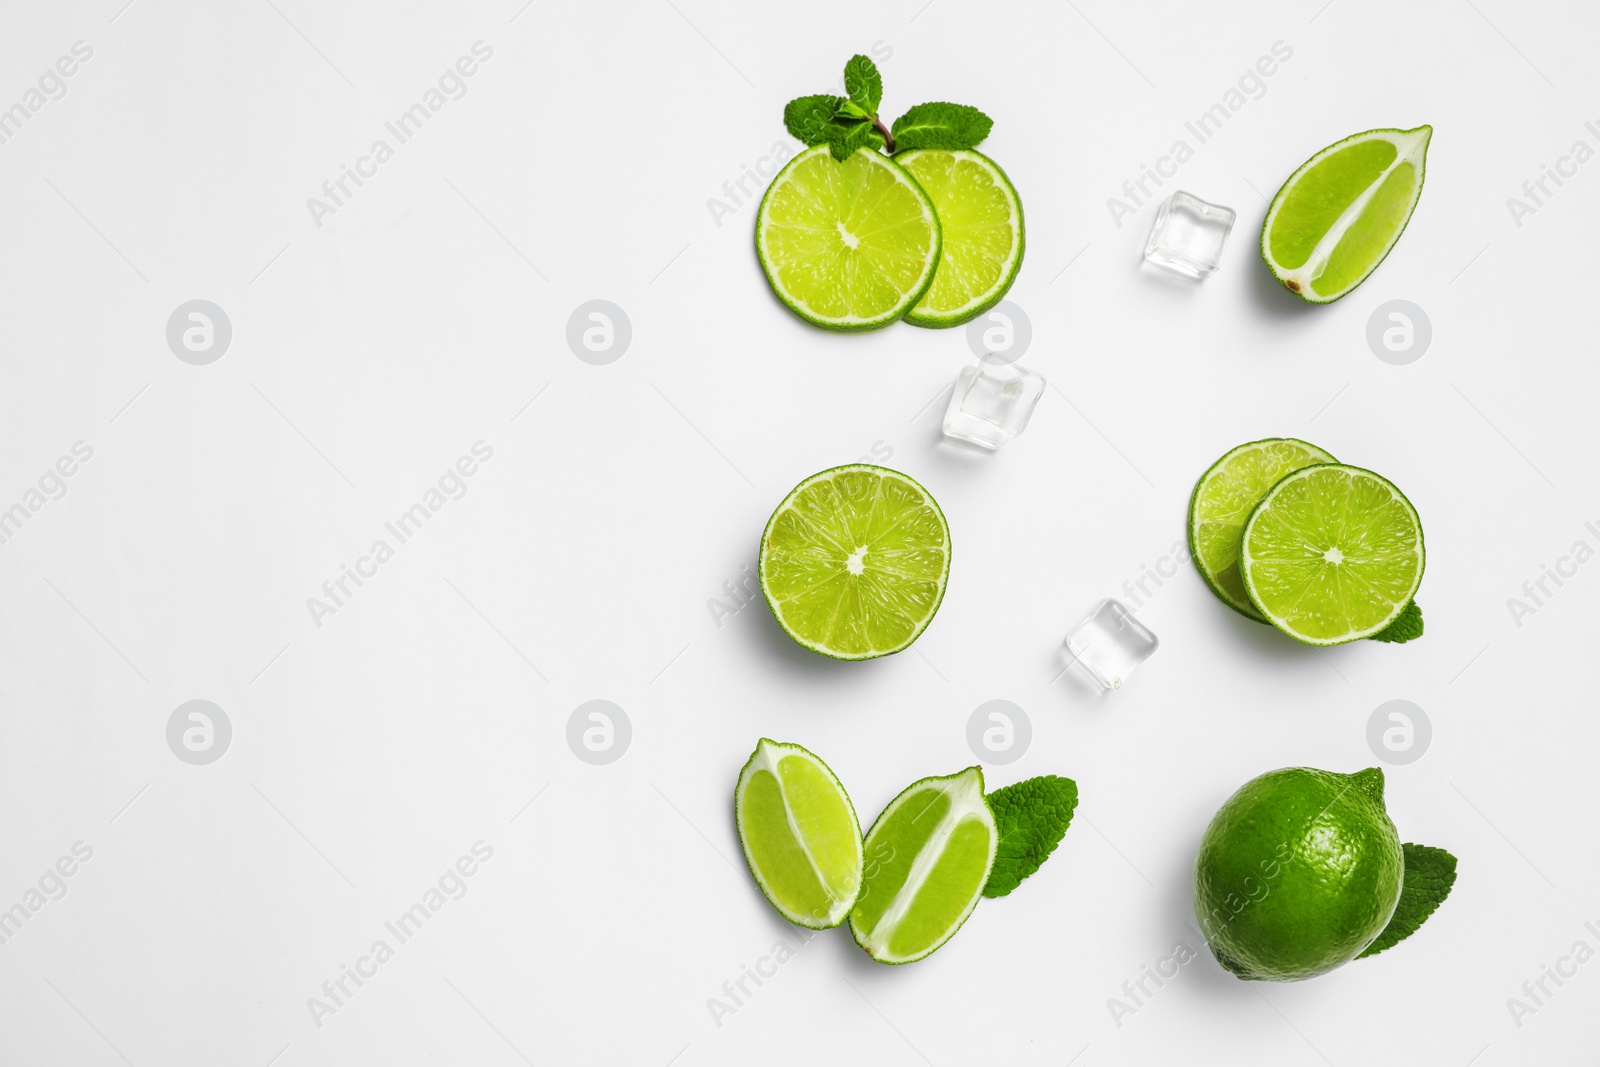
x=1407, y=626
x=1031, y=817
x=846, y=123
x=1429, y=875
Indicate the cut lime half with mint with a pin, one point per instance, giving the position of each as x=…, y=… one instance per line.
x=1224, y=497
x=854, y=561
x=848, y=245
x=1332, y=553
x=980, y=218
x=799, y=833
x=1340, y=214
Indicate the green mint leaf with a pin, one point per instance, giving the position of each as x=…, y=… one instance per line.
x=941, y=126
x=864, y=85
x=809, y=118
x=1429, y=874
x=845, y=138
x=1407, y=626
x=1032, y=817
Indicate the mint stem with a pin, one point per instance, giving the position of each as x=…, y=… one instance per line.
x=888, y=138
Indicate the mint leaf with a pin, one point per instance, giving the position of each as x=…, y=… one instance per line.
x=864, y=85
x=941, y=126
x=1032, y=817
x=1407, y=626
x=810, y=118
x=844, y=139
x=1429, y=874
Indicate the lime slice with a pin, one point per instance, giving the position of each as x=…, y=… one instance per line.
x=800, y=834
x=1224, y=497
x=1331, y=554
x=848, y=246
x=1338, y=215
x=854, y=561
x=928, y=858
x=980, y=218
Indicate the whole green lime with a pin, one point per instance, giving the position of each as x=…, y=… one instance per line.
x=1298, y=872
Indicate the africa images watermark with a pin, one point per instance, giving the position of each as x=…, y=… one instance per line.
x=1537, y=192
x=1537, y=591
x=1252, y=85
x=52, y=886
x=337, y=592
x=51, y=85
x=736, y=992
x=452, y=85
x=52, y=486
x=1536, y=992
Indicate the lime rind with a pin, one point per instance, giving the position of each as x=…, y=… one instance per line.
x=920, y=314
x=849, y=323
x=1411, y=146
x=775, y=604
x=1261, y=508
x=1242, y=606
x=965, y=789
x=765, y=758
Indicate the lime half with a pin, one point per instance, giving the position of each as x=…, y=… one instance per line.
x=1224, y=497
x=1331, y=554
x=800, y=834
x=980, y=218
x=928, y=858
x=854, y=561
x=847, y=246
x=1338, y=215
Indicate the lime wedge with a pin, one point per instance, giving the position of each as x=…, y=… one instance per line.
x=854, y=561
x=1224, y=497
x=1338, y=215
x=1331, y=554
x=800, y=834
x=847, y=246
x=980, y=218
x=928, y=857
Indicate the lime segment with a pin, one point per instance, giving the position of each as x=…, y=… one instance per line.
x=1338, y=216
x=980, y=218
x=1224, y=497
x=854, y=562
x=928, y=857
x=847, y=246
x=800, y=834
x=1332, y=554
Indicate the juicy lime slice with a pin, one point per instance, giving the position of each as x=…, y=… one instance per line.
x=928, y=858
x=848, y=246
x=854, y=561
x=1338, y=215
x=1224, y=497
x=980, y=217
x=1331, y=554
x=800, y=834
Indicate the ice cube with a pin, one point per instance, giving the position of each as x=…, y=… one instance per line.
x=992, y=402
x=1188, y=236
x=1109, y=643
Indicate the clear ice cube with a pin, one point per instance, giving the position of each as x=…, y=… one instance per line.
x=1109, y=643
x=1188, y=236
x=992, y=402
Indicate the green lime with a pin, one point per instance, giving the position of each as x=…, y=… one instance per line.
x=980, y=218
x=854, y=561
x=800, y=834
x=847, y=246
x=1298, y=872
x=1331, y=554
x=1224, y=497
x=1338, y=215
x=928, y=858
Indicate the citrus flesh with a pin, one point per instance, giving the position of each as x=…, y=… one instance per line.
x=1337, y=217
x=847, y=245
x=854, y=561
x=799, y=833
x=1332, y=553
x=928, y=857
x=1224, y=497
x=980, y=218
x=1298, y=872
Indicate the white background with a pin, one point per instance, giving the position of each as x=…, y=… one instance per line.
x=371, y=752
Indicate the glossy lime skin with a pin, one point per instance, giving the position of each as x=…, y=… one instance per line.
x=1298, y=872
